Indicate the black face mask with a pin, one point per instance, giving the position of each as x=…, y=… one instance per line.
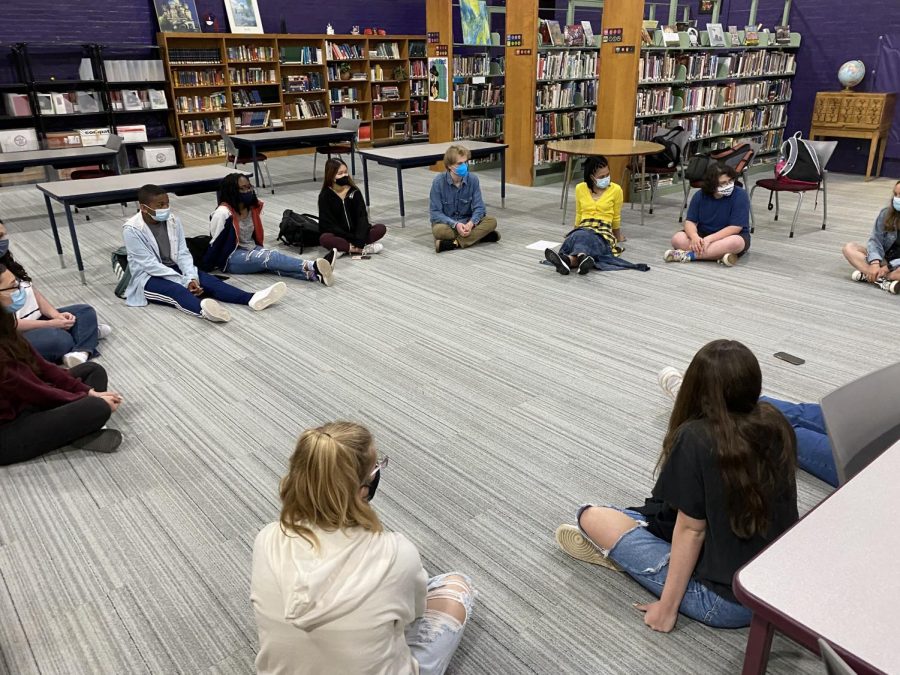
x=373, y=485
x=248, y=198
x=343, y=181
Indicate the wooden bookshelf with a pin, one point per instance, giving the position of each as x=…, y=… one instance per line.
x=292, y=81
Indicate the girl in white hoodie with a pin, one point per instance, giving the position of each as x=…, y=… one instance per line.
x=331, y=590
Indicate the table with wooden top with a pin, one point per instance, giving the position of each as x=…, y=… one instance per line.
x=608, y=147
x=832, y=576
x=848, y=114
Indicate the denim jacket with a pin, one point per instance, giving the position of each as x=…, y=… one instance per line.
x=451, y=205
x=880, y=242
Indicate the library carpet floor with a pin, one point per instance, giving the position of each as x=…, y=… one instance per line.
x=505, y=395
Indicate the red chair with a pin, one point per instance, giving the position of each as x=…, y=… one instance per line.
x=823, y=150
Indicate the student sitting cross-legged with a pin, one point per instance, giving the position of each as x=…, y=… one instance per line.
x=42, y=406
x=332, y=590
x=878, y=262
x=237, y=236
x=457, y=210
x=163, y=272
x=66, y=334
x=728, y=473
x=717, y=226
x=343, y=216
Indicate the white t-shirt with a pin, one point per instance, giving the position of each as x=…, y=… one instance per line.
x=246, y=230
x=340, y=609
x=30, y=309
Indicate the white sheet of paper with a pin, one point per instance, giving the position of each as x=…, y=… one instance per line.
x=478, y=79
x=541, y=245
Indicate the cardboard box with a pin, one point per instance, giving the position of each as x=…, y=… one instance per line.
x=156, y=156
x=18, y=140
x=63, y=139
x=135, y=133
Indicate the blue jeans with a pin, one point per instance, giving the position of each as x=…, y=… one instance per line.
x=244, y=261
x=164, y=292
x=813, y=445
x=54, y=343
x=434, y=636
x=645, y=558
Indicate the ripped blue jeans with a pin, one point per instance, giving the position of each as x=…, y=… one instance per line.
x=645, y=558
x=434, y=636
x=245, y=261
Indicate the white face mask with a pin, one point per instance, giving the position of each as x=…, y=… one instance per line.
x=896, y=203
x=159, y=215
x=727, y=189
x=602, y=183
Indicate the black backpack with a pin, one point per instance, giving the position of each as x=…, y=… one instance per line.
x=198, y=246
x=299, y=229
x=737, y=157
x=670, y=156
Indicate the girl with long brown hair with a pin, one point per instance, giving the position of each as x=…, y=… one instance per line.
x=727, y=468
x=878, y=262
x=332, y=591
x=343, y=216
x=42, y=406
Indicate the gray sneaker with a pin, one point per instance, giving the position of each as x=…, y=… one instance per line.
x=105, y=440
x=213, y=311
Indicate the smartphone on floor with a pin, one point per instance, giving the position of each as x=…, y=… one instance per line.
x=790, y=358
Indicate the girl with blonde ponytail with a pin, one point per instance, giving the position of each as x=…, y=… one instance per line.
x=331, y=590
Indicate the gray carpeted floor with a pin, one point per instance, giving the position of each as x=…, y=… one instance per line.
x=505, y=395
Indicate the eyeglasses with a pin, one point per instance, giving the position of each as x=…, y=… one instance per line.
x=380, y=463
x=16, y=287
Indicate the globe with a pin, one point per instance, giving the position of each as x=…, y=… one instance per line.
x=851, y=73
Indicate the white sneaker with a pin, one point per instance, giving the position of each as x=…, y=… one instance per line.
x=670, y=380
x=103, y=331
x=728, y=260
x=858, y=276
x=371, y=249
x=73, y=359
x=213, y=311
x=268, y=296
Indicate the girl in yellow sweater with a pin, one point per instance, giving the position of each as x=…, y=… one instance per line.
x=598, y=217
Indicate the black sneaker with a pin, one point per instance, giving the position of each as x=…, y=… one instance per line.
x=105, y=440
x=331, y=256
x=556, y=260
x=585, y=264
x=441, y=245
x=493, y=235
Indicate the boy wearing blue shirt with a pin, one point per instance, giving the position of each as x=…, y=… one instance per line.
x=457, y=210
x=717, y=226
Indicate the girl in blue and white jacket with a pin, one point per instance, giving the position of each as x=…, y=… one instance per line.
x=878, y=262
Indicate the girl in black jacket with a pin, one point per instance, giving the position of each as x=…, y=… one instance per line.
x=343, y=217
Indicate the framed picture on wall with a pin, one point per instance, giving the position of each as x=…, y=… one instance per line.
x=243, y=15
x=177, y=16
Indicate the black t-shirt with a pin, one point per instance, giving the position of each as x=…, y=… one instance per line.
x=690, y=481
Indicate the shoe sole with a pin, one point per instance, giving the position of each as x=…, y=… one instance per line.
x=325, y=272
x=663, y=377
x=572, y=542
x=556, y=260
x=586, y=265
x=728, y=260
x=217, y=314
x=71, y=363
x=275, y=294
x=105, y=440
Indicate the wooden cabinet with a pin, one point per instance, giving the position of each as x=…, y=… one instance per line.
x=848, y=114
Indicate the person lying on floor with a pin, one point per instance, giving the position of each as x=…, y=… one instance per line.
x=42, y=406
x=66, y=335
x=728, y=471
x=343, y=216
x=237, y=239
x=163, y=271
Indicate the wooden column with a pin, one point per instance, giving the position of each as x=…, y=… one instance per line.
x=439, y=19
x=617, y=94
x=521, y=73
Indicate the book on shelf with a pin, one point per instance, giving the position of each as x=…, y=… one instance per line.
x=377, y=111
x=417, y=50
x=304, y=82
x=158, y=99
x=670, y=35
x=213, y=102
x=783, y=35
x=398, y=130
x=386, y=50
x=341, y=52
x=306, y=109
x=556, y=33
x=252, y=75
x=546, y=37
x=204, y=125
x=377, y=72
x=195, y=55
x=131, y=100
x=566, y=65
x=574, y=35
x=252, y=118
x=94, y=136
x=364, y=135
x=716, y=34
x=588, y=33
x=201, y=149
x=17, y=105
x=301, y=55
x=751, y=36
x=199, y=78
x=250, y=53
x=246, y=97
x=63, y=139
x=735, y=36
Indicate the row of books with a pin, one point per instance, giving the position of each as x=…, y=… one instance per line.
x=385, y=92
x=755, y=92
x=305, y=108
x=133, y=70
x=68, y=103
x=334, y=74
x=477, y=95
x=195, y=149
x=768, y=141
x=247, y=97
x=252, y=75
x=304, y=55
x=477, y=127
x=339, y=52
x=204, y=125
x=709, y=66
x=213, y=102
x=566, y=94
x=544, y=155
x=664, y=100
x=348, y=112
x=561, y=65
x=417, y=50
x=418, y=88
x=378, y=112
x=552, y=125
x=252, y=118
x=197, y=78
x=385, y=50
x=138, y=99
x=419, y=127
x=250, y=53
x=305, y=82
x=711, y=124
x=477, y=64
x=344, y=95
x=575, y=35
x=418, y=69
x=195, y=55
x=418, y=106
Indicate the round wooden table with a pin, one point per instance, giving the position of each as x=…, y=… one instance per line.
x=608, y=147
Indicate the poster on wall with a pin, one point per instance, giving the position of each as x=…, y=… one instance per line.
x=437, y=79
x=243, y=15
x=473, y=16
x=177, y=16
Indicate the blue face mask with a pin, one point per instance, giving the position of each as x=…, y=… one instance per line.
x=462, y=170
x=4, y=247
x=602, y=183
x=159, y=215
x=896, y=208
x=18, y=301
